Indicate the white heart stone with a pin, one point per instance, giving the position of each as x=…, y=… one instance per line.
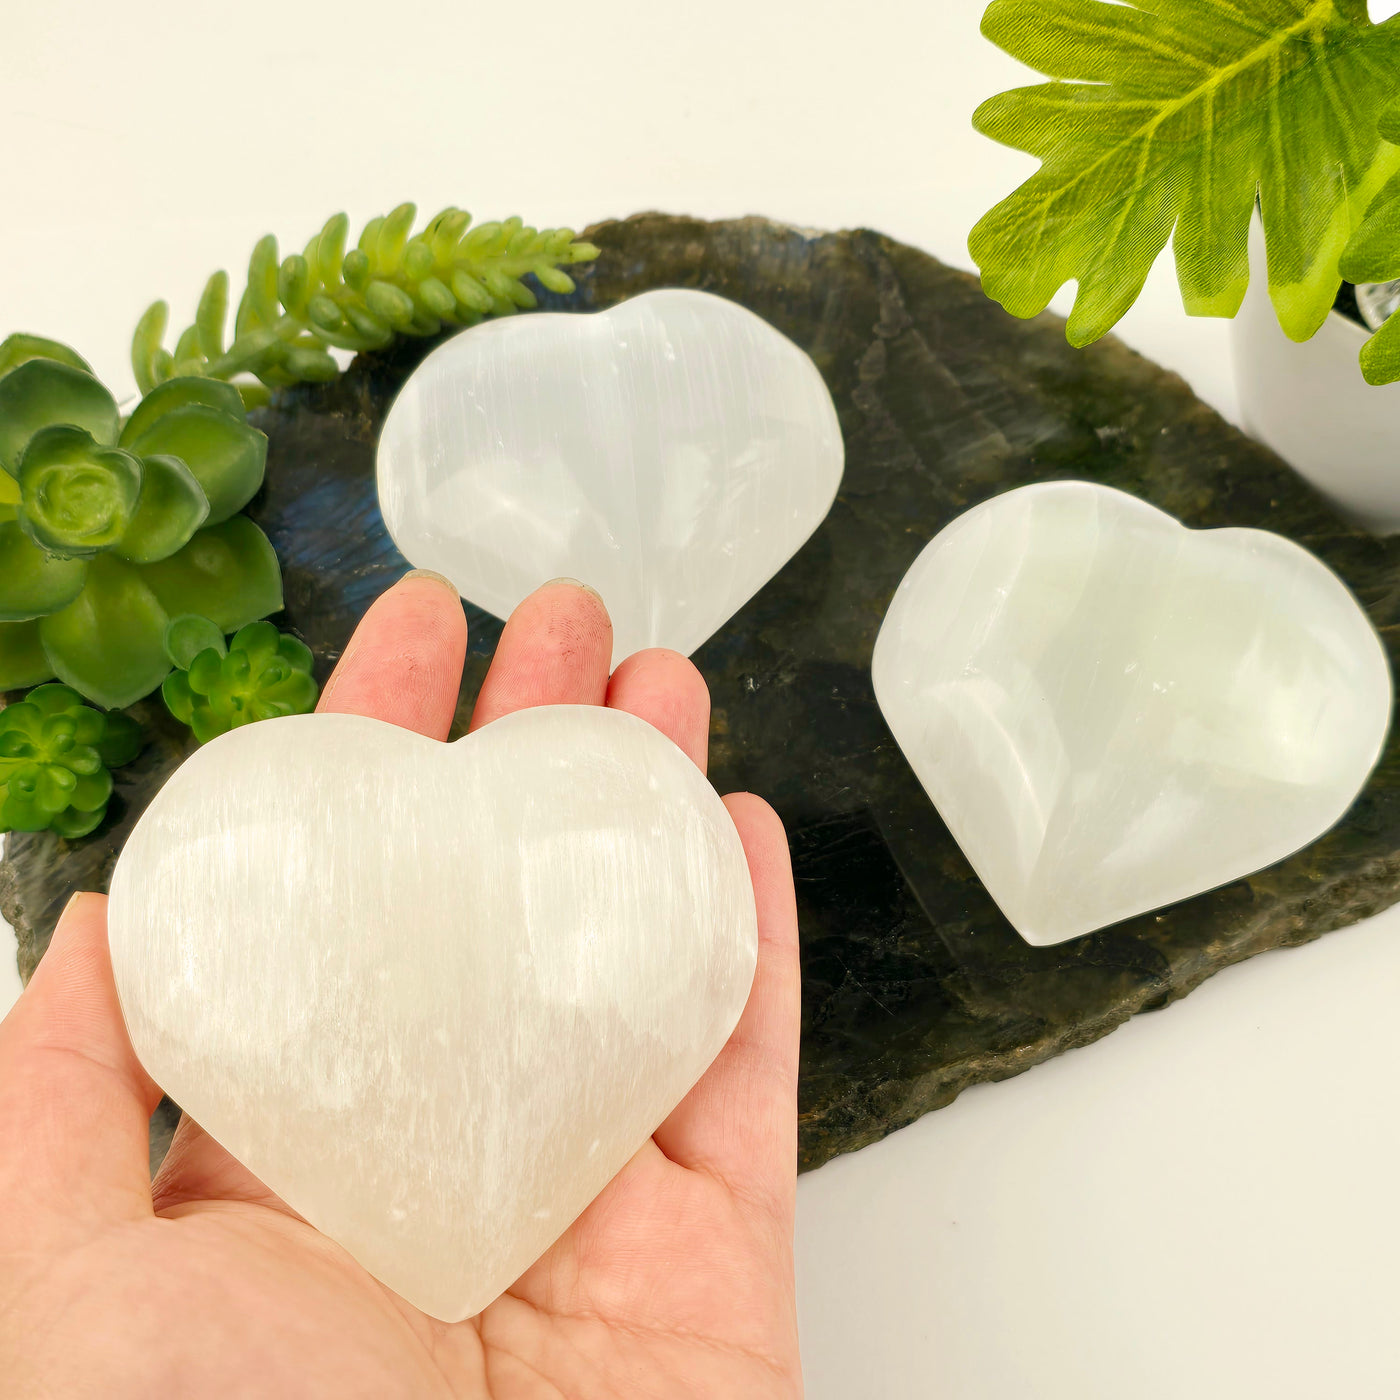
x=434, y=996
x=1112, y=712
x=673, y=452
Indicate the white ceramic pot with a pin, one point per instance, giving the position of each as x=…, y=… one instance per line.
x=1310, y=404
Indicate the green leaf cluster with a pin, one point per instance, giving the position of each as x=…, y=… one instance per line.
x=112, y=530
x=55, y=760
x=1166, y=119
x=1373, y=255
x=260, y=674
x=295, y=310
x=106, y=526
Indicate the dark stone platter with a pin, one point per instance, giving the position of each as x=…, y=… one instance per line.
x=914, y=986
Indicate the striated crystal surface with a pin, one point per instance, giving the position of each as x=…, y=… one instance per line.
x=673, y=452
x=442, y=1105
x=914, y=984
x=1112, y=712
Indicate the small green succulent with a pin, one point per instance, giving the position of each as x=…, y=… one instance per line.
x=106, y=528
x=295, y=310
x=260, y=674
x=55, y=757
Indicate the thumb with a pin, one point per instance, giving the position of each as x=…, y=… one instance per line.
x=74, y=1100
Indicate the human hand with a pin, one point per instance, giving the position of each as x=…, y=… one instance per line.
x=676, y=1282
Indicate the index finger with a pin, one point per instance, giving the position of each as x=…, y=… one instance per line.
x=404, y=663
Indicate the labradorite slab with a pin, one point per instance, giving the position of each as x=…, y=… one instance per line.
x=914, y=986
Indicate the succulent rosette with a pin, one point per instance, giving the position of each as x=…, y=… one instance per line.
x=260, y=674
x=55, y=757
x=108, y=529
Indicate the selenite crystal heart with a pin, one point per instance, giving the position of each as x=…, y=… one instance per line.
x=434, y=996
x=673, y=452
x=1112, y=712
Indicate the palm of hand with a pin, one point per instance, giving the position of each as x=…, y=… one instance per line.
x=677, y=1281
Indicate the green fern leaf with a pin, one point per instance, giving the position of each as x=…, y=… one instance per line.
x=295, y=310
x=1166, y=119
x=1380, y=356
x=1373, y=255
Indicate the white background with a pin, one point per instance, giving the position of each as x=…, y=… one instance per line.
x=1202, y=1205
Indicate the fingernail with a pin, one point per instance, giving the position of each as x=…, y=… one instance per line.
x=436, y=578
x=74, y=903
x=574, y=583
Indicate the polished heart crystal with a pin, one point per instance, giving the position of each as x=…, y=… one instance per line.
x=674, y=452
x=1112, y=712
x=434, y=996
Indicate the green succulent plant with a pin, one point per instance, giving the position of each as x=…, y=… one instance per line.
x=1167, y=119
x=55, y=760
x=122, y=539
x=18, y=349
x=106, y=527
x=260, y=674
x=295, y=310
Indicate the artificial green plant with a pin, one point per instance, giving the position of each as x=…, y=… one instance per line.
x=259, y=674
x=111, y=529
x=55, y=759
x=1373, y=255
x=295, y=310
x=106, y=527
x=1167, y=120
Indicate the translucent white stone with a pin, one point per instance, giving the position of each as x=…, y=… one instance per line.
x=673, y=452
x=1112, y=712
x=1378, y=302
x=434, y=996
